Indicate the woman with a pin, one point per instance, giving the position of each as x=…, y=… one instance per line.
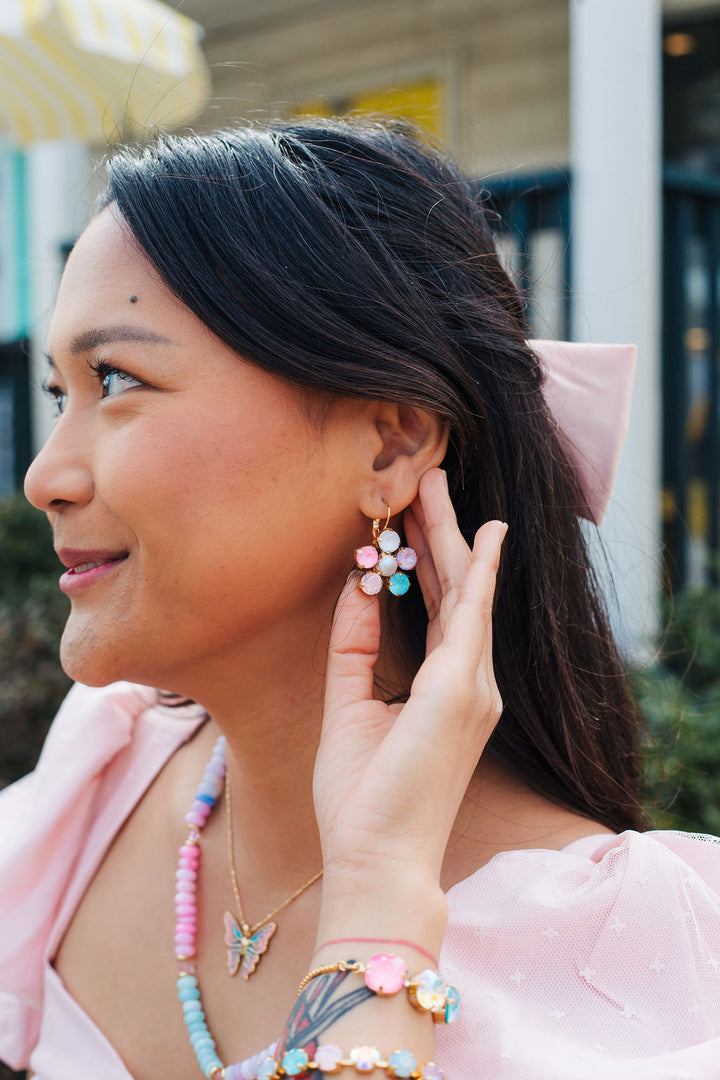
x=271, y=349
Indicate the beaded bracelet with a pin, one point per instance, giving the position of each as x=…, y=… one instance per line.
x=386, y=974
x=364, y=1059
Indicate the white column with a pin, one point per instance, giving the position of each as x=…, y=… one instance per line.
x=616, y=162
x=58, y=206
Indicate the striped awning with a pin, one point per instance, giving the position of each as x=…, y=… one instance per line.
x=98, y=70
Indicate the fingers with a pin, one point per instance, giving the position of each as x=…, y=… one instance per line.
x=353, y=649
x=443, y=556
x=469, y=629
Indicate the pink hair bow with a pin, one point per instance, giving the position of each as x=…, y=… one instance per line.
x=588, y=389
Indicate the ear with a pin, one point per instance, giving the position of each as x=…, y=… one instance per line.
x=413, y=441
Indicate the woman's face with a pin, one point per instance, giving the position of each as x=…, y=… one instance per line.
x=211, y=500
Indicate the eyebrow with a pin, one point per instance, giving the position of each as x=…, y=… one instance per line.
x=87, y=340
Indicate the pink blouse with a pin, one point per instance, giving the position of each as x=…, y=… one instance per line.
x=597, y=962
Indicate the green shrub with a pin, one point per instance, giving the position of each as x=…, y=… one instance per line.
x=680, y=697
x=32, y=615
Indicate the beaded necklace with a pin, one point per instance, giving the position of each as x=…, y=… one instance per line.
x=186, y=926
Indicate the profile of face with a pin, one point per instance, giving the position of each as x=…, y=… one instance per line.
x=218, y=507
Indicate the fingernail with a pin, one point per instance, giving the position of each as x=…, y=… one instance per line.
x=503, y=530
x=444, y=476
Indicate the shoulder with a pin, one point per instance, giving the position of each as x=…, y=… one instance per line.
x=103, y=747
x=609, y=948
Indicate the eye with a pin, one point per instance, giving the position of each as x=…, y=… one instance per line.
x=112, y=379
x=56, y=395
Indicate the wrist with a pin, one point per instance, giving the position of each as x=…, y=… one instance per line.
x=370, y=917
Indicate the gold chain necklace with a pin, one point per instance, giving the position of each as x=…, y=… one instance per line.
x=245, y=943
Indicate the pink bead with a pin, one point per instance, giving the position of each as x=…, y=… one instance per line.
x=184, y=950
x=185, y=928
x=186, y=909
x=216, y=768
x=186, y=875
x=194, y=818
x=366, y=557
x=184, y=939
x=183, y=898
x=190, y=851
x=385, y=974
x=188, y=864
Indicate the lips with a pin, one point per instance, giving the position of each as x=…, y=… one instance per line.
x=79, y=560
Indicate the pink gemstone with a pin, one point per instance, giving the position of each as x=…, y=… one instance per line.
x=194, y=817
x=407, y=558
x=186, y=909
x=183, y=898
x=366, y=557
x=385, y=974
x=371, y=583
x=185, y=875
x=184, y=950
x=184, y=939
x=190, y=851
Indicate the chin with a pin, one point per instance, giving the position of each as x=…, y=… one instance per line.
x=89, y=660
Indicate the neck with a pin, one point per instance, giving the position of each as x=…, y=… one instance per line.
x=267, y=700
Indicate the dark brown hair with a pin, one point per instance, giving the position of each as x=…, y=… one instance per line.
x=352, y=259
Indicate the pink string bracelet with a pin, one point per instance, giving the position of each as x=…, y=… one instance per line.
x=378, y=941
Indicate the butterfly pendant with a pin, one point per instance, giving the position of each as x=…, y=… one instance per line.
x=245, y=949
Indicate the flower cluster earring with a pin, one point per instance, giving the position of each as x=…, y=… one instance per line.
x=384, y=561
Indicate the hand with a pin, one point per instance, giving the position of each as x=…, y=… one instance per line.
x=389, y=779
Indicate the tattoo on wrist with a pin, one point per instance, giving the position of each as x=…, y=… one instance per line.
x=322, y=1003
x=379, y=941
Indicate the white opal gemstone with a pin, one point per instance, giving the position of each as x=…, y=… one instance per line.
x=387, y=565
x=371, y=583
x=388, y=540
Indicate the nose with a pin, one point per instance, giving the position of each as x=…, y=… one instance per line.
x=60, y=474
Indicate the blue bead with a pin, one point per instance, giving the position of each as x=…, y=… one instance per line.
x=214, y=1063
x=189, y=993
x=196, y=1025
x=186, y=980
x=205, y=798
x=402, y=1063
x=399, y=584
x=295, y=1062
x=452, y=1005
x=193, y=1005
x=201, y=1038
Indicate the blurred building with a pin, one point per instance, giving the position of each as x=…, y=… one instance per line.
x=595, y=126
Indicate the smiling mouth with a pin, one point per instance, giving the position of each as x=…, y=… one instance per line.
x=84, y=567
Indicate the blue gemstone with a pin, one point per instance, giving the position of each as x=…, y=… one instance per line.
x=402, y=1063
x=206, y=799
x=452, y=1005
x=295, y=1062
x=266, y=1069
x=399, y=584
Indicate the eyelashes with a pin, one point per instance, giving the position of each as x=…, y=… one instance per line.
x=56, y=395
x=112, y=380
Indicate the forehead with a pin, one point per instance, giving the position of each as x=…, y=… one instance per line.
x=105, y=268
